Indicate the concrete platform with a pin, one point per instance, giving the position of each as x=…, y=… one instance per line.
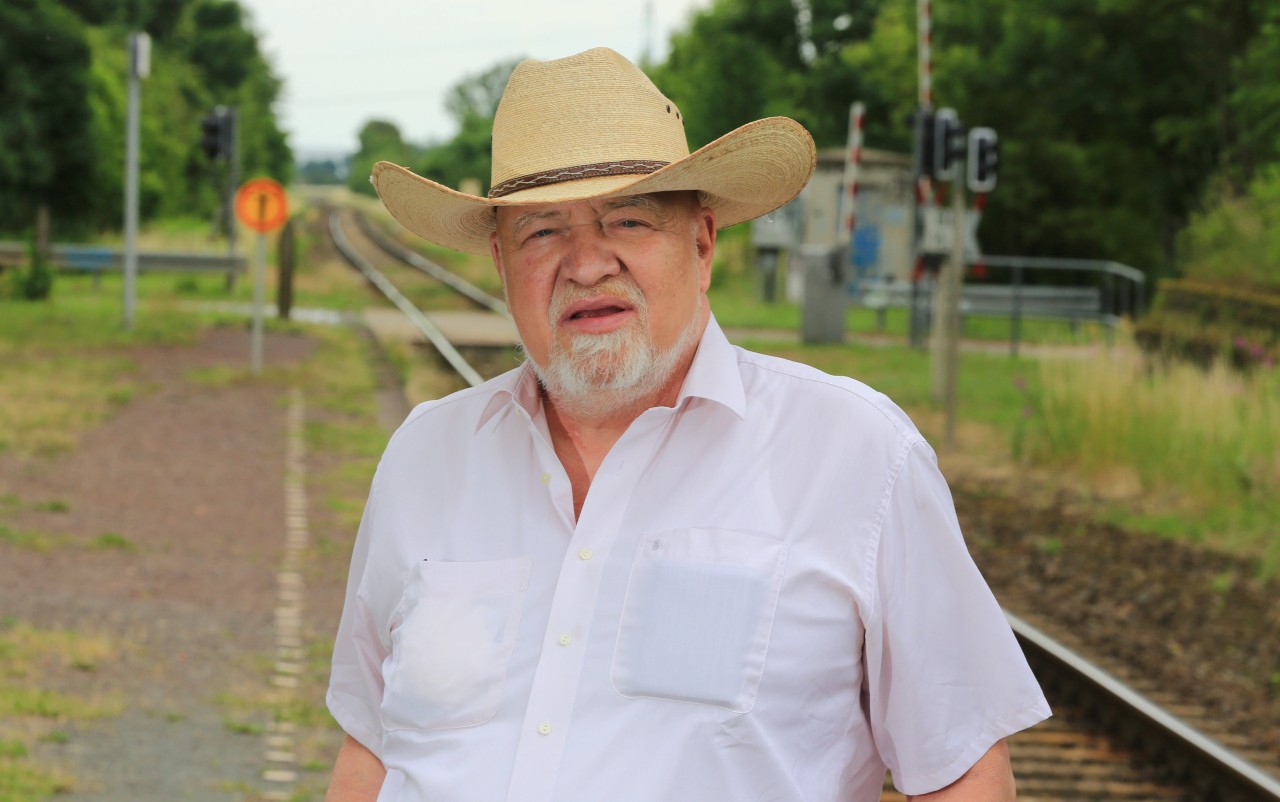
x=463, y=328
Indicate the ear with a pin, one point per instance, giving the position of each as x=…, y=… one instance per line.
x=704, y=238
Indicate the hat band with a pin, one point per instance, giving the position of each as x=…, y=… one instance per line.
x=561, y=174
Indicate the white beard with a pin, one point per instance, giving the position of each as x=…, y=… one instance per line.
x=602, y=374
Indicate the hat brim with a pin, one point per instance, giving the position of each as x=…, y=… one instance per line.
x=748, y=172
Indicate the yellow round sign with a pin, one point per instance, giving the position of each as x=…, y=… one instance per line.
x=262, y=205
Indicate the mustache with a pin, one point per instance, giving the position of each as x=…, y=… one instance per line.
x=623, y=287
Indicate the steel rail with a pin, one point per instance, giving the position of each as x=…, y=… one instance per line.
x=1176, y=733
x=417, y=260
x=428, y=329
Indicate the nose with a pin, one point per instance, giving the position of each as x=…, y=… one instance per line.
x=590, y=256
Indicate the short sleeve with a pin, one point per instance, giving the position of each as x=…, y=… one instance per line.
x=355, y=680
x=946, y=679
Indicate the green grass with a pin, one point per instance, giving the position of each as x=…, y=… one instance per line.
x=113, y=541
x=22, y=782
x=1205, y=446
x=31, y=713
x=64, y=365
x=238, y=727
x=28, y=539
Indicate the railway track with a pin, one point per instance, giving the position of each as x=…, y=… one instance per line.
x=1107, y=741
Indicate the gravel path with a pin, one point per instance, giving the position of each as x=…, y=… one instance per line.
x=169, y=522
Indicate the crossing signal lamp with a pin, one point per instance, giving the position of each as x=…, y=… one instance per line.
x=215, y=134
x=984, y=160
x=921, y=122
x=948, y=144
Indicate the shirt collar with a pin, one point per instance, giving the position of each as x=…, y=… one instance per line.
x=713, y=376
x=517, y=387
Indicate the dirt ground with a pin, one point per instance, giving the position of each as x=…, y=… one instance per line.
x=191, y=478
x=169, y=522
x=1179, y=622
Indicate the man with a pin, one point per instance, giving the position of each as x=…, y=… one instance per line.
x=648, y=566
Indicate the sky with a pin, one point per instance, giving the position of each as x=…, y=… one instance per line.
x=344, y=63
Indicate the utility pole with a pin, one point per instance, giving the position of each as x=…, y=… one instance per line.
x=921, y=157
x=947, y=331
x=948, y=155
x=139, y=68
x=232, y=134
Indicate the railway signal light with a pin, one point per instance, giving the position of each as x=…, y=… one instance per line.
x=921, y=122
x=948, y=144
x=216, y=133
x=984, y=160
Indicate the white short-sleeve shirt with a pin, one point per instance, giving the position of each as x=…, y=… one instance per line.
x=766, y=597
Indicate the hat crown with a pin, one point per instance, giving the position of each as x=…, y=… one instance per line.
x=594, y=109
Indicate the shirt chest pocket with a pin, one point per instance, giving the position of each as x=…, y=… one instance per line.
x=697, y=617
x=451, y=643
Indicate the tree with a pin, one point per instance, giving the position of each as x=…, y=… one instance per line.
x=217, y=39
x=63, y=94
x=1115, y=116
x=379, y=141
x=45, y=145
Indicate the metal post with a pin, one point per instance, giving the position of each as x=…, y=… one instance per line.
x=922, y=190
x=767, y=260
x=233, y=181
x=1015, y=322
x=139, y=67
x=924, y=51
x=947, y=342
x=849, y=195
x=259, y=292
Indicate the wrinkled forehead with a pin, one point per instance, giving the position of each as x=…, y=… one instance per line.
x=663, y=204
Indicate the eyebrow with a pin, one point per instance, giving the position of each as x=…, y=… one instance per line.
x=530, y=217
x=649, y=202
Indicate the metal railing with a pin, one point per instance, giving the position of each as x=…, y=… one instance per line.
x=98, y=259
x=1108, y=292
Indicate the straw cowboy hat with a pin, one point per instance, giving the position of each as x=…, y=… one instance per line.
x=591, y=126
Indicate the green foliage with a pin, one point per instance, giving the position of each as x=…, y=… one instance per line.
x=35, y=283
x=64, y=95
x=44, y=131
x=321, y=171
x=739, y=79
x=1237, y=239
x=379, y=141
x=1202, y=447
x=1207, y=322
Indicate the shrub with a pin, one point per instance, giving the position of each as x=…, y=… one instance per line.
x=36, y=282
x=1203, y=322
x=1236, y=240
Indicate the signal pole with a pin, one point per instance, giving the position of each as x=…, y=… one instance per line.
x=233, y=181
x=139, y=68
x=947, y=343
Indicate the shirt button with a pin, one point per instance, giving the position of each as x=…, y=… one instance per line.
x=546, y=478
x=585, y=553
x=545, y=728
x=566, y=639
